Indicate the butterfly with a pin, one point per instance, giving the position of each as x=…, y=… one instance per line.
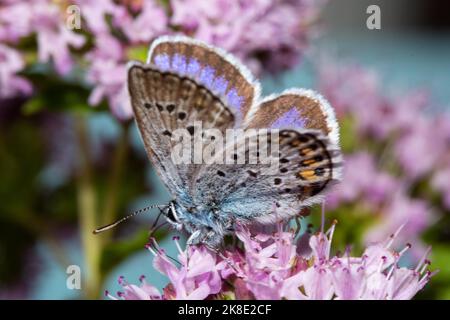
x=186, y=82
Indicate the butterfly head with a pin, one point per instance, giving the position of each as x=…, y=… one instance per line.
x=171, y=215
x=198, y=222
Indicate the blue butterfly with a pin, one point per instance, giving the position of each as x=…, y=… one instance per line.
x=186, y=82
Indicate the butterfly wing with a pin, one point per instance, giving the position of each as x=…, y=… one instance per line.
x=295, y=109
x=308, y=155
x=185, y=82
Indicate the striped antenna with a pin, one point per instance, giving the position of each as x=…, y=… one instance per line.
x=114, y=224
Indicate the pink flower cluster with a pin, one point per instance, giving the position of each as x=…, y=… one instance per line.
x=420, y=138
x=399, y=146
x=21, y=19
x=283, y=265
x=269, y=35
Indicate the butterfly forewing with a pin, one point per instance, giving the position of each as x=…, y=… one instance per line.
x=211, y=67
x=185, y=86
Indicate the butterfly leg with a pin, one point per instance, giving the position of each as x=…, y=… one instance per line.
x=223, y=257
x=192, y=240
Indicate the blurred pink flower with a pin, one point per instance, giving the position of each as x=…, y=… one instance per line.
x=15, y=18
x=414, y=214
x=11, y=63
x=356, y=92
x=269, y=267
x=414, y=146
x=45, y=18
x=362, y=181
x=54, y=45
x=149, y=23
x=108, y=74
x=441, y=183
x=386, y=197
x=419, y=150
x=266, y=34
x=107, y=70
x=349, y=87
x=95, y=12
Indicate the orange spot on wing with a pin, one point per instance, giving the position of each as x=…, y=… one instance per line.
x=307, y=174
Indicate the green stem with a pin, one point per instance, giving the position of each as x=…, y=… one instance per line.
x=111, y=200
x=87, y=213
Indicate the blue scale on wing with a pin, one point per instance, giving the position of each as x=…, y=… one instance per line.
x=205, y=75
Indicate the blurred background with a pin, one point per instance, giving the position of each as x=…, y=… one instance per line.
x=71, y=158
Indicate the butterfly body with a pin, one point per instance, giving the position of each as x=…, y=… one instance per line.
x=282, y=153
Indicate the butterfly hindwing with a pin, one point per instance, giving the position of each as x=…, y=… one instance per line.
x=308, y=158
x=295, y=109
x=306, y=165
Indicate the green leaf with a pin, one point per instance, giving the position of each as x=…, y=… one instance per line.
x=348, y=135
x=137, y=53
x=33, y=106
x=439, y=285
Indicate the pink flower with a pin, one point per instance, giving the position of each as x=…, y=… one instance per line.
x=107, y=71
x=11, y=63
x=374, y=187
x=349, y=87
x=54, y=45
x=109, y=77
x=15, y=18
x=355, y=91
x=269, y=266
x=414, y=214
x=148, y=24
x=441, y=183
x=374, y=276
x=94, y=14
x=197, y=278
x=265, y=34
x=420, y=149
x=267, y=261
x=45, y=18
x=108, y=74
x=133, y=292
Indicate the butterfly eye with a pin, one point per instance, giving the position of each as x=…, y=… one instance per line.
x=171, y=216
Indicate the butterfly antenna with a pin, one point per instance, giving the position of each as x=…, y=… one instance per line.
x=135, y=213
